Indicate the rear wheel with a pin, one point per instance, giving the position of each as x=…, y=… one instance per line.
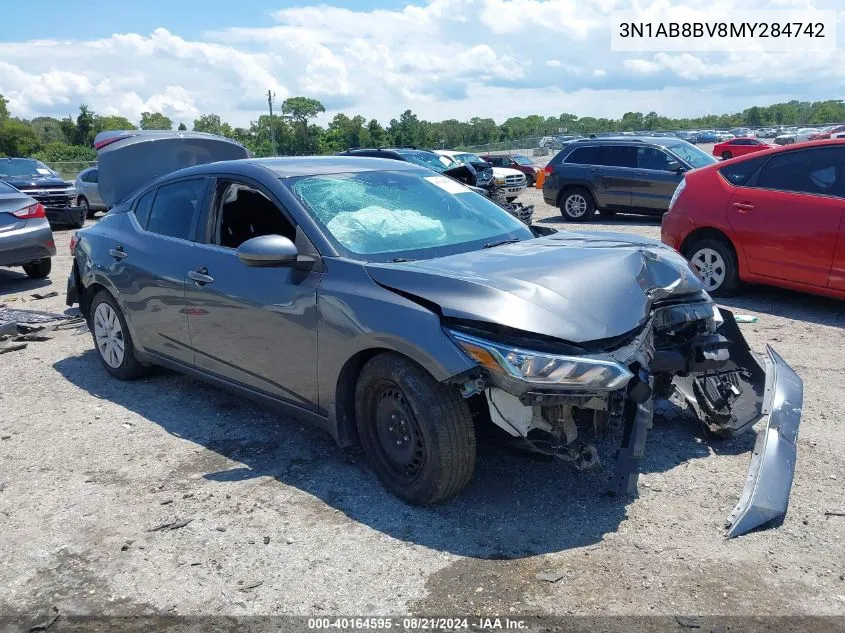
x=726, y=155
x=78, y=217
x=417, y=433
x=38, y=269
x=112, y=339
x=714, y=261
x=577, y=205
x=83, y=202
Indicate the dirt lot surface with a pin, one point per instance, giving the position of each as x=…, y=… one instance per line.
x=167, y=496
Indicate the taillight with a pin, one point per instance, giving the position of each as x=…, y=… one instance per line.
x=548, y=169
x=678, y=191
x=74, y=240
x=30, y=212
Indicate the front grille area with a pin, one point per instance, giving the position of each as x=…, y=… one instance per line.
x=57, y=198
x=515, y=180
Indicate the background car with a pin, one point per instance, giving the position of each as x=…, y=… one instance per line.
x=723, y=135
x=795, y=136
x=636, y=175
x=512, y=181
x=35, y=179
x=772, y=217
x=826, y=133
x=519, y=162
x=706, y=136
x=26, y=239
x=88, y=194
x=739, y=147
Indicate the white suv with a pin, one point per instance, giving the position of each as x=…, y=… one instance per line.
x=512, y=182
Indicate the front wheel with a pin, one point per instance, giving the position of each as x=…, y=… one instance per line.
x=726, y=155
x=83, y=202
x=112, y=338
x=577, y=205
x=715, y=263
x=417, y=433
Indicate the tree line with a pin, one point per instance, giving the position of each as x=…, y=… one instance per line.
x=293, y=130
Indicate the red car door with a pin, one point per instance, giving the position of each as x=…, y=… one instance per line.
x=787, y=217
x=837, y=272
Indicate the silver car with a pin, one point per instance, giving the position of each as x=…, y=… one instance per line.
x=88, y=193
x=25, y=236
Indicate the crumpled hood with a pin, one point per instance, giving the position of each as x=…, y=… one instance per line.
x=577, y=287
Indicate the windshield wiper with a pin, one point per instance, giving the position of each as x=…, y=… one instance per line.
x=502, y=242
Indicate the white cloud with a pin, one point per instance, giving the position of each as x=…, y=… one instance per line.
x=446, y=59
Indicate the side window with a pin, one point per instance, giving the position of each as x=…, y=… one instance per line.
x=817, y=171
x=584, y=156
x=618, y=156
x=143, y=207
x=652, y=158
x=175, y=206
x=739, y=173
x=242, y=212
x=92, y=175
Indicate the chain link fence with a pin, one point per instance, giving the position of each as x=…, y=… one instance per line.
x=529, y=145
x=69, y=170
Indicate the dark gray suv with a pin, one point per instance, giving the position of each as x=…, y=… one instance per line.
x=637, y=175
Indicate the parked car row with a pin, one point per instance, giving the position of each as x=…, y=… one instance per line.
x=395, y=308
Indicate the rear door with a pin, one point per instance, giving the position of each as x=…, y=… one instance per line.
x=251, y=325
x=148, y=264
x=655, y=179
x=608, y=170
x=788, y=216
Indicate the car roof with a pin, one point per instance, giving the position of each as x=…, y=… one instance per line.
x=290, y=166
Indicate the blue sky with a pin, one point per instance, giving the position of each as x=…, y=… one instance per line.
x=443, y=59
x=189, y=18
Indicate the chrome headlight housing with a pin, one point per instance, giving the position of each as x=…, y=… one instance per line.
x=499, y=180
x=579, y=373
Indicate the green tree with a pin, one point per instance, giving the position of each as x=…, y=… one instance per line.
x=212, y=124
x=49, y=130
x=111, y=122
x=378, y=135
x=18, y=139
x=85, y=126
x=4, y=109
x=155, y=121
x=62, y=152
x=182, y=127
x=300, y=110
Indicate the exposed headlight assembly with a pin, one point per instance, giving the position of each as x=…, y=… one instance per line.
x=567, y=372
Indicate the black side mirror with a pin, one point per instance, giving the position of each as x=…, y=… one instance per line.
x=268, y=250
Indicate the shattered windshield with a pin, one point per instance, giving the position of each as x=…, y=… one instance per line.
x=24, y=168
x=424, y=159
x=387, y=215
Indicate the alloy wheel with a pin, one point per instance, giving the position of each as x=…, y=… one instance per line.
x=108, y=334
x=575, y=205
x=711, y=268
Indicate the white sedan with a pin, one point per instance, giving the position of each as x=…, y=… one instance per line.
x=797, y=136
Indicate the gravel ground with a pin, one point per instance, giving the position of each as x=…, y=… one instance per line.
x=281, y=521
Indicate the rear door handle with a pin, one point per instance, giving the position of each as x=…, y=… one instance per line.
x=743, y=207
x=201, y=276
x=118, y=253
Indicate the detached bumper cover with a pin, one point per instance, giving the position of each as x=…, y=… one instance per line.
x=766, y=493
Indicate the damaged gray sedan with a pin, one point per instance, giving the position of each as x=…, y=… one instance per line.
x=396, y=308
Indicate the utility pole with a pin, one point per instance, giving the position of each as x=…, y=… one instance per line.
x=270, y=95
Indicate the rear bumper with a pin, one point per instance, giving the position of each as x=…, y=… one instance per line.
x=766, y=494
x=27, y=244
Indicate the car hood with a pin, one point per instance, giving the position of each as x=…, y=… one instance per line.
x=48, y=182
x=506, y=171
x=130, y=159
x=576, y=287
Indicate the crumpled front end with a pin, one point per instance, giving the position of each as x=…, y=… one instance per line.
x=561, y=400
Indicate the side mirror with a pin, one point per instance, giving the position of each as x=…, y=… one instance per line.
x=268, y=250
x=675, y=166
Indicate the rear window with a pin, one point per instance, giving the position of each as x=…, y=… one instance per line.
x=739, y=173
x=174, y=208
x=584, y=156
x=4, y=188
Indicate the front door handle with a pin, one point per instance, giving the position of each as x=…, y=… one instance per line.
x=118, y=253
x=201, y=276
x=743, y=207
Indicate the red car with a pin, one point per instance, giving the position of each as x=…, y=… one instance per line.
x=739, y=147
x=827, y=133
x=775, y=217
x=515, y=161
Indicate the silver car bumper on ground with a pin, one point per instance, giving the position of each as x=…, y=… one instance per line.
x=766, y=494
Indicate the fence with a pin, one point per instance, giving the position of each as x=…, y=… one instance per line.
x=69, y=170
x=521, y=145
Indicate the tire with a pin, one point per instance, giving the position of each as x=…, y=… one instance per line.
x=714, y=260
x=726, y=155
x=38, y=269
x=82, y=201
x=398, y=401
x=790, y=141
x=530, y=180
x=123, y=366
x=577, y=205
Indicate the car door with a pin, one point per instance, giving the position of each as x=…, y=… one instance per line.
x=788, y=216
x=655, y=179
x=148, y=264
x=92, y=191
x=603, y=168
x=254, y=326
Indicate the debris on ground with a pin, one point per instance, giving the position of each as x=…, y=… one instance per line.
x=552, y=576
x=745, y=318
x=834, y=513
x=688, y=622
x=46, y=624
x=37, y=296
x=171, y=525
x=252, y=584
x=14, y=315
